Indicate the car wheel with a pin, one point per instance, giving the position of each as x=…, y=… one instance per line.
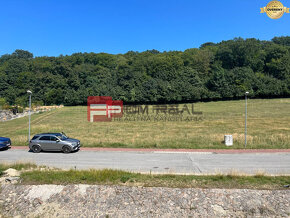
x=36, y=148
x=66, y=149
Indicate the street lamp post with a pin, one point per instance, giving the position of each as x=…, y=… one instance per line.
x=30, y=93
x=246, y=93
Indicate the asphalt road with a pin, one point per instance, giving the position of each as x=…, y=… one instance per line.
x=157, y=162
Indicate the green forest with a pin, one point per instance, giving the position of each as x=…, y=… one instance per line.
x=214, y=71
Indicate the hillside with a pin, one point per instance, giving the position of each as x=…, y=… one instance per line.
x=214, y=71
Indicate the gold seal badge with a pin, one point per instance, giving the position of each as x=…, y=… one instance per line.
x=274, y=9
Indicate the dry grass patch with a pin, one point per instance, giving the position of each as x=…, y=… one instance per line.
x=17, y=166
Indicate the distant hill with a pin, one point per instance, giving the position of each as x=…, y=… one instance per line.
x=214, y=71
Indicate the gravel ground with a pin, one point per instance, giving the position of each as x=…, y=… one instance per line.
x=124, y=201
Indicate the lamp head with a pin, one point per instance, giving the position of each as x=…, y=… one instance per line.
x=29, y=92
x=246, y=93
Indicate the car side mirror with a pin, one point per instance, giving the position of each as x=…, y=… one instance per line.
x=57, y=140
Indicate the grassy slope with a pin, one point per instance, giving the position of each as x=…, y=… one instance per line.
x=268, y=127
x=31, y=175
x=117, y=177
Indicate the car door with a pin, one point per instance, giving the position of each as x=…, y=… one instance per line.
x=55, y=143
x=44, y=142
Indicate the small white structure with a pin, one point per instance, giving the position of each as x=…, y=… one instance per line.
x=228, y=140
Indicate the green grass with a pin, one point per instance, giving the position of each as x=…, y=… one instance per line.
x=268, y=127
x=117, y=177
x=32, y=175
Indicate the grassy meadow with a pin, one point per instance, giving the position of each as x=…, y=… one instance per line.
x=268, y=127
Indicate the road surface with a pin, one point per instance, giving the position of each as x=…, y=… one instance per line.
x=157, y=161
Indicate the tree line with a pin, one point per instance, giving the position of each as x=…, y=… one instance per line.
x=214, y=71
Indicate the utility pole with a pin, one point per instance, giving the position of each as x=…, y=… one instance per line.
x=246, y=93
x=30, y=93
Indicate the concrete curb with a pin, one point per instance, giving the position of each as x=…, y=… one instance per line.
x=219, y=151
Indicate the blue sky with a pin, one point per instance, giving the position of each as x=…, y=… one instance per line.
x=54, y=27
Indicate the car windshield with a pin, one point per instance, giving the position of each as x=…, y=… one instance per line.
x=63, y=137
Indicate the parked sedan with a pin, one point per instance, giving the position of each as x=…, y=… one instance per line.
x=53, y=142
x=4, y=142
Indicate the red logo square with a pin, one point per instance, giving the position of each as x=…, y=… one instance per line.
x=103, y=108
